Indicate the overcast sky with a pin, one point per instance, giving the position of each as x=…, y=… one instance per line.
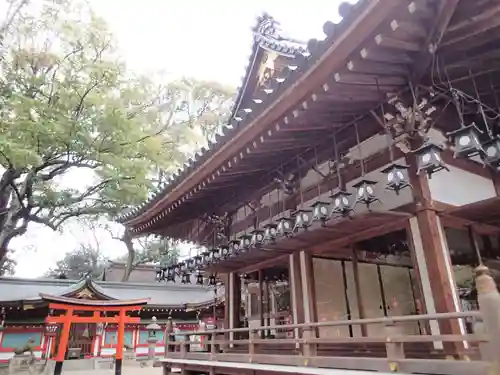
x=205, y=39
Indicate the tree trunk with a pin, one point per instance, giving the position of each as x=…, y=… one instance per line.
x=127, y=240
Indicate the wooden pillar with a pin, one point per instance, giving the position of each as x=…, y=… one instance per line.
x=357, y=289
x=296, y=289
x=309, y=299
x=261, y=302
x=308, y=292
x=119, y=342
x=63, y=342
x=234, y=302
x=433, y=261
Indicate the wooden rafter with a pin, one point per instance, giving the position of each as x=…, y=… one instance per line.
x=438, y=29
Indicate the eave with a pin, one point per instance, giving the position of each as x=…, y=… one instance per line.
x=365, y=58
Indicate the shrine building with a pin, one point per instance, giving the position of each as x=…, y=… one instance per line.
x=24, y=309
x=349, y=198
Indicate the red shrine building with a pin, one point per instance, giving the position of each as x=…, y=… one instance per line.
x=24, y=308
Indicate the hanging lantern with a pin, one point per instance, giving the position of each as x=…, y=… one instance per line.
x=212, y=281
x=341, y=205
x=365, y=193
x=257, y=237
x=270, y=233
x=303, y=219
x=198, y=260
x=320, y=211
x=396, y=177
x=466, y=141
x=182, y=267
x=190, y=263
x=235, y=246
x=491, y=155
x=160, y=274
x=429, y=158
x=285, y=226
x=206, y=257
x=171, y=274
x=199, y=278
x=186, y=278
x=224, y=252
x=245, y=241
x=215, y=254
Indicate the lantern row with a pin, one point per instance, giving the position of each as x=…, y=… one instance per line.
x=429, y=161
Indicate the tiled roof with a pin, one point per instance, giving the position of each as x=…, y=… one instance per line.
x=266, y=36
x=168, y=295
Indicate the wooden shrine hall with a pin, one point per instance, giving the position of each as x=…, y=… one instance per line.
x=350, y=205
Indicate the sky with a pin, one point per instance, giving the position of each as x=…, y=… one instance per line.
x=208, y=40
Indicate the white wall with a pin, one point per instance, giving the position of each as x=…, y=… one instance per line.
x=458, y=187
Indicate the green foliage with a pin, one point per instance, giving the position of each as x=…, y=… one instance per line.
x=79, y=263
x=79, y=134
x=7, y=265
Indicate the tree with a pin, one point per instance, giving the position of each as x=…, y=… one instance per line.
x=79, y=263
x=7, y=265
x=70, y=111
x=150, y=250
x=86, y=259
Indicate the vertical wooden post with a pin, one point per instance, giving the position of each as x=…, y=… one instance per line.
x=433, y=260
x=395, y=350
x=63, y=342
x=357, y=289
x=489, y=305
x=119, y=342
x=261, y=301
x=234, y=303
x=309, y=298
x=296, y=292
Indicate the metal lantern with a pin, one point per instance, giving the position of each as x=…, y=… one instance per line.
x=320, y=211
x=245, y=241
x=341, y=205
x=182, y=267
x=160, y=274
x=153, y=327
x=303, y=219
x=224, y=251
x=171, y=274
x=206, y=257
x=215, y=254
x=396, y=177
x=270, y=232
x=285, y=226
x=199, y=278
x=466, y=141
x=257, y=237
x=429, y=158
x=491, y=155
x=365, y=192
x=186, y=278
x=198, y=260
x=235, y=246
x=190, y=264
x=212, y=281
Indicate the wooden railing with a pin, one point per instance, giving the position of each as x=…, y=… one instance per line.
x=393, y=351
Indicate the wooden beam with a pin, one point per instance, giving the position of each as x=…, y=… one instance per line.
x=90, y=319
x=444, y=14
x=490, y=21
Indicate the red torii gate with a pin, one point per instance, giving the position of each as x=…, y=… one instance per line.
x=72, y=305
